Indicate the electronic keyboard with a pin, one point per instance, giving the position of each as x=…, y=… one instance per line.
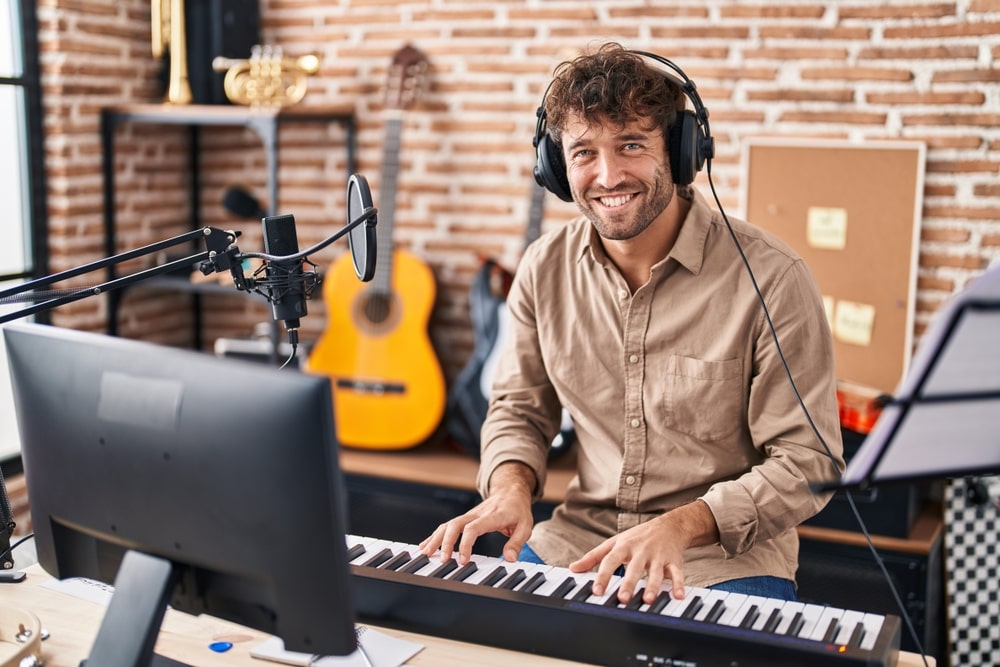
x=551, y=611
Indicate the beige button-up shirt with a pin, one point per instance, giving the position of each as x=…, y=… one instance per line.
x=677, y=392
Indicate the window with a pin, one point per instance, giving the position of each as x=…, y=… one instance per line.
x=22, y=225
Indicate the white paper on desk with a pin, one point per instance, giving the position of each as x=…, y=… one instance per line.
x=383, y=650
x=85, y=589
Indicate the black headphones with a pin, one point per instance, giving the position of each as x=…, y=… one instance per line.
x=690, y=142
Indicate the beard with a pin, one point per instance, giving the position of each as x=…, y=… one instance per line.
x=655, y=198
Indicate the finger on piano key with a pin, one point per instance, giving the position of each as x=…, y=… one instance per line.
x=611, y=590
x=484, y=565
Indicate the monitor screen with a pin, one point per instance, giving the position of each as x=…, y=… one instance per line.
x=222, y=473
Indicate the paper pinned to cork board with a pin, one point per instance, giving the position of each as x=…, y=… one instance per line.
x=852, y=211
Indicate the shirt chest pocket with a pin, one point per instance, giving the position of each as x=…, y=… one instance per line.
x=703, y=399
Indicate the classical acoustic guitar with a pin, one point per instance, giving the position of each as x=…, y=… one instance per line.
x=388, y=387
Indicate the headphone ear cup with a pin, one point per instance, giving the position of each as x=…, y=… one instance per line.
x=550, y=170
x=684, y=146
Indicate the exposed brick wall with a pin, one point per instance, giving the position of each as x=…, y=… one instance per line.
x=922, y=70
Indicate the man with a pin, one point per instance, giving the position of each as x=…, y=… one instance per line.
x=694, y=456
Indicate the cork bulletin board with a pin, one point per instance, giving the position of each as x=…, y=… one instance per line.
x=852, y=211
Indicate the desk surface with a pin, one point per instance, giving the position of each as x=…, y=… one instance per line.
x=72, y=624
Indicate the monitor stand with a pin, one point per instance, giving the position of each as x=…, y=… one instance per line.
x=132, y=622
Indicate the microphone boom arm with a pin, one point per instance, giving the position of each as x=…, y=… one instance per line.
x=221, y=255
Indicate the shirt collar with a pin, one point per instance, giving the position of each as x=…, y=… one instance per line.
x=688, y=250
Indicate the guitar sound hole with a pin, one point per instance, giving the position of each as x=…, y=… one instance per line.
x=378, y=307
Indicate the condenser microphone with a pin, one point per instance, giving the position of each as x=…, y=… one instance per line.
x=285, y=279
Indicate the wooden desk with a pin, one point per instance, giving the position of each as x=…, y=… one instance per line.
x=72, y=624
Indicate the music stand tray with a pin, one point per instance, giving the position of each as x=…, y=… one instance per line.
x=945, y=419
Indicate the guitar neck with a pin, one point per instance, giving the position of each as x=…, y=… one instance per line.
x=382, y=280
x=534, y=229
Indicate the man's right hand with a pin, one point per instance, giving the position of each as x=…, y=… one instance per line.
x=506, y=510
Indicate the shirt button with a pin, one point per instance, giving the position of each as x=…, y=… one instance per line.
x=634, y=423
x=634, y=358
x=622, y=294
x=630, y=480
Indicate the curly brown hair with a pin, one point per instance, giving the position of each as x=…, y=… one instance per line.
x=613, y=85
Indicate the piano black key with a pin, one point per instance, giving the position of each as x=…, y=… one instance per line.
x=563, y=589
x=693, y=607
x=495, y=576
x=396, y=562
x=464, y=572
x=831, y=631
x=857, y=636
x=445, y=569
x=417, y=563
x=515, y=577
x=586, y=590
x=379, y=558
x=772, y=620
x=536, y=580
x=355, y=551
x=636, y=600
x=718, y=609
x=661, y=601
x=796, y=625
x=750, y=618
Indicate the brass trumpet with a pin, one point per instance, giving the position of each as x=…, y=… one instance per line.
x=168, y=36
x=267, y=78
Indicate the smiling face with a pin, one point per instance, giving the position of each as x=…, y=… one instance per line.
x=619, y=174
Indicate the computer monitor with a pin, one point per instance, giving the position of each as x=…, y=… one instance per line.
x=945, y=418
x=218, y=478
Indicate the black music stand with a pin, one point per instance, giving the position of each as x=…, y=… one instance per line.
x=945, y=419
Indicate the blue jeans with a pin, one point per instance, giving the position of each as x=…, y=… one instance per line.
x=768, y=587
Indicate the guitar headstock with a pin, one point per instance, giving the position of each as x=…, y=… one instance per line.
x=407, y=76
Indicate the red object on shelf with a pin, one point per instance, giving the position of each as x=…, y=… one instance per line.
x=860, y=406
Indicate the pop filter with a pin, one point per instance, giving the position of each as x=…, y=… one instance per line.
x=361, y=238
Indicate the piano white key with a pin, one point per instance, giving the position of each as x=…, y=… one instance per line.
x=371, y=545
x=484, y=564
x=709, y=598
x=733, y=602
x=828, y=616
x=766, y=609
x=752, y=603
x=849, y=621
x=788, y=612
x=810, y=615
x=873, y=628
x=609, y=590
x=530, y=570
x=677, y=606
